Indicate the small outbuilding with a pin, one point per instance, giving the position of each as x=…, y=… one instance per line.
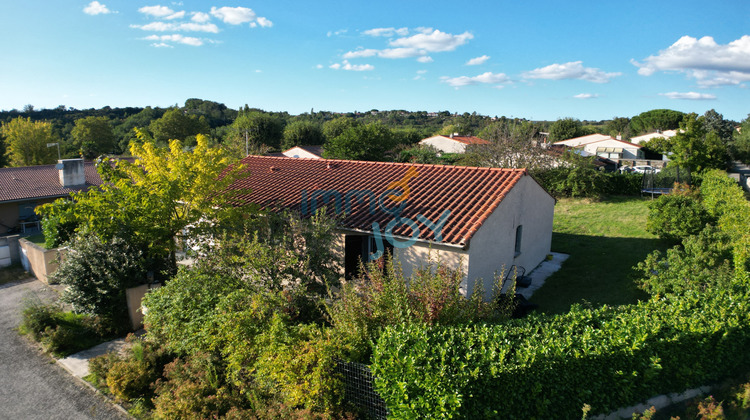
x=482, y=220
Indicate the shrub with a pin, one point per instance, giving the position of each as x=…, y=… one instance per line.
x=676, y=216
x=132, y=376
x=96, y=275
x=193, y=389
x=99, y=367
x=129, y=379
x=381, y=297
x=550, y=366
x=59, y=223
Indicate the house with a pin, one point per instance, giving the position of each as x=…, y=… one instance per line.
x=605, y=146
x=453, y=143
x=482, y=220
x=312, y=152
x=24, y=188
x=646, y=137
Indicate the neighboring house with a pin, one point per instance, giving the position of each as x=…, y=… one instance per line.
x=482, y=220
x=646, y=137
x=311, y=152
x=23, y=189
x=605, y=146
x=453, y=143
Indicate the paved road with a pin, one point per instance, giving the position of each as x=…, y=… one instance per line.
x=32, y=386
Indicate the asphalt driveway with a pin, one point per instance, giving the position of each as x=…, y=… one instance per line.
x=32, y=386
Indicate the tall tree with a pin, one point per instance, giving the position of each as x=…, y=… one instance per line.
x=364, y=142
x=302, y=133
x=514, y=144
x=26, y=142
x=337, y=126
x=740, y=146
x=618, y=126
x=93, y=136
x=176, y=125
x=693, y=147
x=564, y=129
x=254, y=132
x=656, y=119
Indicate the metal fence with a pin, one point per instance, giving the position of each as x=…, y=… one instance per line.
x=359, y=391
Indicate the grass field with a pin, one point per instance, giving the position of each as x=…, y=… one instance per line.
x=604, y=239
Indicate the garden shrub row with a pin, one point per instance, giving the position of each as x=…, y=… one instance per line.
x=550, y=366
x=583, y=181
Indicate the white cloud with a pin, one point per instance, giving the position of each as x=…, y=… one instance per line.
x=156, y=11
x=387, y=32
x=586, y=96
x=176, y=38
x=161, y=45
x=200, y=17
x=264, y=23
x=399, y=53
x=435, y=41
x=689, y=95
x=421, y=71
x=177, y=15
x=360, y=53
x=484, y=78
x=477, y=60
x=184, y=27
x=233, y=15
x=96, y=8
x=425, y=59
x=571, y=70
x=337, y=33
x=711, y=64
x=345, y=65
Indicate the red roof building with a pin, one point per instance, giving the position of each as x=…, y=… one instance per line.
x=479, y=218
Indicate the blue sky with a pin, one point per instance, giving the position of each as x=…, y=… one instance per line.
x=533, y=59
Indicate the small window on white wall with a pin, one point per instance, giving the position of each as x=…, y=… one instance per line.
x=519, y=234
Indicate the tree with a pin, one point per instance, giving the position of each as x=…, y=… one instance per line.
x=514, y=144
x=364, y=142
x=254, y=132
x=693, y=147
x=566, y=128
x=740, y=146
x=26, y=142
x=715, y=122
x=302, y=133
x=337, y=126
x=125, y=132
x=618, y=126
x=176, y=125
x=93, y=136
x=656, y=119
x=164, y=194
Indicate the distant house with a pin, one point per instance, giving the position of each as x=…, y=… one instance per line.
x=646, y=137
x=604, y=146
x=23, y=189
x=453, y=143
x=311, y=152
x=482, y=220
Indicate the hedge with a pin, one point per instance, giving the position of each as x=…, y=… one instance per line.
x=550, y=366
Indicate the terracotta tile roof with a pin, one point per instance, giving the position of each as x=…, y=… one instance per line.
x=43, y=181
x=470, y=194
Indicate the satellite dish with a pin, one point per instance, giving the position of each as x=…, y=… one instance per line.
x=59, y=166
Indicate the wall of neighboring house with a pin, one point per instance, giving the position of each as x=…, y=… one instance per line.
x=419, y=254
x=628, y=152
x=10, y=213
x=492, y=249
x=298, y=152
x=444, y=144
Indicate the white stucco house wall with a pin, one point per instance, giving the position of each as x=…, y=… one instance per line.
x=646, y=137
x=481, y=220
x=310, y=152
x=604, y=146
x=452, y=143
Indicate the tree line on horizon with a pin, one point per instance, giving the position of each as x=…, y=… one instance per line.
x=369, y=135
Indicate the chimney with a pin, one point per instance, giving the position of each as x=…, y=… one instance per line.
x=619, y=137
x=71, y=172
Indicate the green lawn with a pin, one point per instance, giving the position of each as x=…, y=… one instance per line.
x=604, y=239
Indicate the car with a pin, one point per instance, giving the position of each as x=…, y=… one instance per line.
x=642, y=169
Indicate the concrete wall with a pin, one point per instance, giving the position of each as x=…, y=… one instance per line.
x=445, y=145
x=42, y=262
x=134, y=297
x=420, y=254
x=492, y=248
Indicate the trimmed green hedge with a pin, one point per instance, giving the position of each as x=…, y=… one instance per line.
x=550, y=366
